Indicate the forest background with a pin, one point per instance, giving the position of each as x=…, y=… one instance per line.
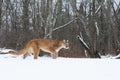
x=95, y=22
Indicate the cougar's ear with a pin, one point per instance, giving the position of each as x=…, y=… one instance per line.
x=67, y=41
x=64, y=40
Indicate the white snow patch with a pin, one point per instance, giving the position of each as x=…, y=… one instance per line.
x=46, y=68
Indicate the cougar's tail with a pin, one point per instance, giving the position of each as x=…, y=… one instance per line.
x=23, y=51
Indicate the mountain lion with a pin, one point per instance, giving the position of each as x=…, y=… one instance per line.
x=48, y=45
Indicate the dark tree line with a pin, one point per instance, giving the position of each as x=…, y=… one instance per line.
x=97, y=22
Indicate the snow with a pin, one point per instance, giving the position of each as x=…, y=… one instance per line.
x=46, y=68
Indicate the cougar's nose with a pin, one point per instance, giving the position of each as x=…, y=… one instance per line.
x=67, y=47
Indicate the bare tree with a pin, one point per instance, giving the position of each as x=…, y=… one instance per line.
x=1, y=13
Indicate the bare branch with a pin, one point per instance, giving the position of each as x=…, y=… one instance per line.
x=83, y=42
x=97, y=29
x=64, y=24
x=98, y=9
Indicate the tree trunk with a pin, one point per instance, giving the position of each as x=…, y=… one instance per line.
x=1, y=14
x=25, y=15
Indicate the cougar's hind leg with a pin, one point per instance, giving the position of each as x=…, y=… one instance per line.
x=25, y=55
x=36, y=52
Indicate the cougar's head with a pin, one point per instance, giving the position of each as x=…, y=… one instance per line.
x=65, y=44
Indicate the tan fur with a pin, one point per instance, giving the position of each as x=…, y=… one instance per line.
x=48, y=45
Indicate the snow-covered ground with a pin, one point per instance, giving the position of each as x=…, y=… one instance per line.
x=46, y=68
